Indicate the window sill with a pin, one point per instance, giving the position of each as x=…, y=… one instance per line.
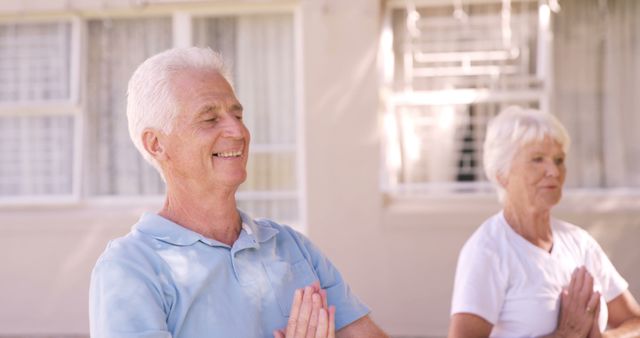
x=452, y=209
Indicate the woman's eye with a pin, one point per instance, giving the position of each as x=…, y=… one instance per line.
x=537, y=159
x=559, y=160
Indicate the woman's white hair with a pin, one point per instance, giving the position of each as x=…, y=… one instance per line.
x=509, y=131
x=150, y=100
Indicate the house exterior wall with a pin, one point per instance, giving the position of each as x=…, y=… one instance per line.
x=399, y=255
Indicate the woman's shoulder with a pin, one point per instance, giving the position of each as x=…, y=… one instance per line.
x=489, y=238
x=569, y=229
x=570, y=233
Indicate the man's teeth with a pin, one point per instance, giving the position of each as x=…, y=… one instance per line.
x=229, y=154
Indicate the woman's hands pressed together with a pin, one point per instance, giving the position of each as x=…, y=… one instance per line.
x=579, y=307
x=310, y=315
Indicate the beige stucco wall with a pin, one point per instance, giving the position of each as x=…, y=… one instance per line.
x=398, y=255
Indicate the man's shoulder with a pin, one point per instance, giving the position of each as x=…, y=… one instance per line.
x=130, y=249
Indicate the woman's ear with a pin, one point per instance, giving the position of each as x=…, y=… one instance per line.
x=152, y=144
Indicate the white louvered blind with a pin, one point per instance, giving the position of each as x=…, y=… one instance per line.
x=37, y=125
x=38, y=150
x=453, y=67
x=260, y=50
x=115, y=49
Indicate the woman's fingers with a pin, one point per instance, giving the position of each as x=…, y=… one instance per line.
x=594, y=303
x=586, y=292
x=578, y=304
x=278, y=334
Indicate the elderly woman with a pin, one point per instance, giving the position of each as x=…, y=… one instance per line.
x=524, y=273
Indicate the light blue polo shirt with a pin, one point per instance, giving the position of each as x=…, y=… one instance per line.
x=163, y=280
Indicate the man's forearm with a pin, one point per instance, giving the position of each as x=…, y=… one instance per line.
x=363, y=327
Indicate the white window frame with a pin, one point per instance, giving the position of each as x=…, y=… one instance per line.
x=181, y=16
x=447, y=97
x=411, y=210
x=71, y=107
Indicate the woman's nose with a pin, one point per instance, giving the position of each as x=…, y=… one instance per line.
x=552, y=169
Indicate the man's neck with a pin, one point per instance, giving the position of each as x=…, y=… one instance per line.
x=213, y=215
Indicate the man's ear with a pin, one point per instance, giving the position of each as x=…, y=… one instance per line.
x=151, y=142
x=502, y=180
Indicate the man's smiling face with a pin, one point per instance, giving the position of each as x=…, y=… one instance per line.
x=208, y=144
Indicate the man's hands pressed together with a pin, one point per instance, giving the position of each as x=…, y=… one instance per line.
x=310, y=315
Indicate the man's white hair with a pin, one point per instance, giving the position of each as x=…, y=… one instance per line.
x=151, y=102
x=509, y=131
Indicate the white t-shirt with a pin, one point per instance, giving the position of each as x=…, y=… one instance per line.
x=516, y=285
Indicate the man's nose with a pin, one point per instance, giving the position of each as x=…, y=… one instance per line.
x=233, y=127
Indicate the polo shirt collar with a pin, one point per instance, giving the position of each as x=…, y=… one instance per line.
x=167, y=231
x=259, y=231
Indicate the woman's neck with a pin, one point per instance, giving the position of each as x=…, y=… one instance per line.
x=533, y=225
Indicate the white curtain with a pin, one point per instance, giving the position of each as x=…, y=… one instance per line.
x=621, y=97
x=115, y=49
x=596, y=76
x=36, y=151
x=260, y=51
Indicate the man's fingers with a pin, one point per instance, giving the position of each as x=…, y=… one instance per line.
x=332, y=322
x=293, y=314
x=305, y=313
x=315, y=312
x=323, y=324
x=278, y=334
x=325, y=302
x=316, y=286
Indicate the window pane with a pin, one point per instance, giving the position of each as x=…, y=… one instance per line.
x=454, y=67
x=284, y=211
x=270, y=171
x=115, y=49
x=34, y=62
x=36, y=155
x=259, y=48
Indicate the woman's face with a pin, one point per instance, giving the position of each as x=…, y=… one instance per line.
x=536, y=176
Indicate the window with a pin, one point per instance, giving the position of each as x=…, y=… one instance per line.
x=38, y=115
x=41, y=146
x=449, y=68
x=115, y=48
x=262, y=53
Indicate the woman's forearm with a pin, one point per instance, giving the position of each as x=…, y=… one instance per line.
x=630, y=328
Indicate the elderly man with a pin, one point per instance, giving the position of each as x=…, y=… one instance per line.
x=200, y=267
